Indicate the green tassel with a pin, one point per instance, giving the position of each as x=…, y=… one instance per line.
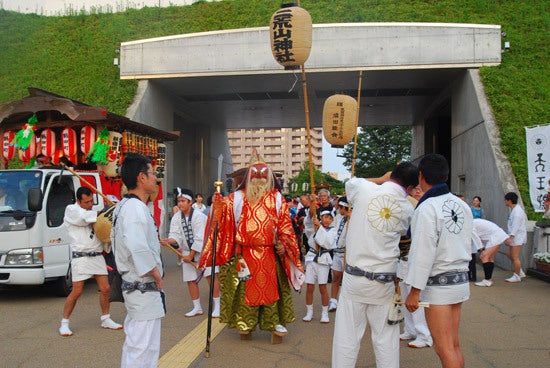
x=24, y=136
x=98, y=153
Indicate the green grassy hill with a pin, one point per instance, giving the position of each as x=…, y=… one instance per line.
x=73, y=55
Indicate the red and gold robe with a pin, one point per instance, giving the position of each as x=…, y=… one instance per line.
x=254, y=238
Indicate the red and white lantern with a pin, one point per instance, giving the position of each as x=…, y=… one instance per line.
x=87, y=139
x=47, y=143
x=68, y=136
x=30, y=152
x=8, y=150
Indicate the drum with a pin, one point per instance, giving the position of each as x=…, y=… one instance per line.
x=104, y=223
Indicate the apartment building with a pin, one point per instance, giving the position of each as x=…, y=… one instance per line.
x=284, y=150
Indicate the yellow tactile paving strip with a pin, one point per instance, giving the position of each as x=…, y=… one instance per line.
x=189, y=348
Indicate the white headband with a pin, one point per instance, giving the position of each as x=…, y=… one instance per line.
x=326, y=212
x=180, y=194
x=345, y=204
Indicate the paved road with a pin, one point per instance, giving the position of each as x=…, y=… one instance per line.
x=507, y=325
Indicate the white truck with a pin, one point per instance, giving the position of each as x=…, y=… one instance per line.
x=34, y=244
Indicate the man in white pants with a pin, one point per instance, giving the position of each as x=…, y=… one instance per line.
x=134, y=238
x=415, y=327
x=380, y=215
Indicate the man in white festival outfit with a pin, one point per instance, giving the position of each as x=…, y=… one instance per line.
x=136, y=245
x=441, y=233
x=86, y=259
x=380, y=215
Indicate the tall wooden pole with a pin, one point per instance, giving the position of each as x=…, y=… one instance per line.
x=356, y=124
x=308, y=131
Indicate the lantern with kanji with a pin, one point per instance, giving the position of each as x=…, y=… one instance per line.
x=339, y=119
x=87, y=139
x=47, y=143
x=160, y=162
x=68, y=136
x=290, y=33
x=8, y=150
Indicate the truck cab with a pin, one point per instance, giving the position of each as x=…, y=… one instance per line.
x=34, y=244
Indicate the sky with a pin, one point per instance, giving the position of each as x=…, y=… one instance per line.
x=331, y=163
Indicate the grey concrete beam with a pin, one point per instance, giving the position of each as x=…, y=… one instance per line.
x=336, y=47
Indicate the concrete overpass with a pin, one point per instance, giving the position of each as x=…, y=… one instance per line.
x=418, y=74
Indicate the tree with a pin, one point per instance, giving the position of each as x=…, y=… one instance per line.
x=336, y=186
x=378, y=150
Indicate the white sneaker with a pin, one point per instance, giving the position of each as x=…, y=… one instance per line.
x=110, y=324
x=417, y=344
x=324, y=318
x=195, y=312
x=484, y=282
x=309, y=316
x=405, y=336
x=515, y=278
x=333, y=304
x=64, y=330
x=522, y=274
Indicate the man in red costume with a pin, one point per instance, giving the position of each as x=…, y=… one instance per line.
x=258, y=254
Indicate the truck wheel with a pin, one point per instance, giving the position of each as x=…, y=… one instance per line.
x=64, y=285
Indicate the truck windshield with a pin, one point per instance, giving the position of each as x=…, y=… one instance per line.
x=14, y=188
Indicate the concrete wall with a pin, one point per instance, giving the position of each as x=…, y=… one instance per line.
x=191, y=162
x=478, y=165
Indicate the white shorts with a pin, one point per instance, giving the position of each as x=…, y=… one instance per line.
x=84, y=268
x=190, y=273
x=446, y=295
x=338, y=262
x=496, y=240
x=316, y=273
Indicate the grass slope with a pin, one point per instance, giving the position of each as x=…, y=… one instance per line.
x=73, y=55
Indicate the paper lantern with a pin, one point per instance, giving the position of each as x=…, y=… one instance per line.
x=87, y=139
x=8, y=150
x=112, y=168
x=160, y=162
x=339, y=120
x=26, y=155
x=290, y=33
x=47, y=143
x=69, y=142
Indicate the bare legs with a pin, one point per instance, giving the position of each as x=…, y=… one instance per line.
x=444, y=321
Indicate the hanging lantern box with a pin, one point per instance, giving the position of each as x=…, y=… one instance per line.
x=339, y=120
x=290, y=34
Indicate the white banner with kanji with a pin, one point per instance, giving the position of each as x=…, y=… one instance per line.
x=538, y=156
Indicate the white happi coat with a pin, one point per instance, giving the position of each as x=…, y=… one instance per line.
x=135, y=241
x=517, y=225
x=441, y=233
x=381, y=214
x=79, y=224
x=325, y=238
x=198, y=224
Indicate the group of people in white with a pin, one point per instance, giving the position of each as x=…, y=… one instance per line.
x=404, y=225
